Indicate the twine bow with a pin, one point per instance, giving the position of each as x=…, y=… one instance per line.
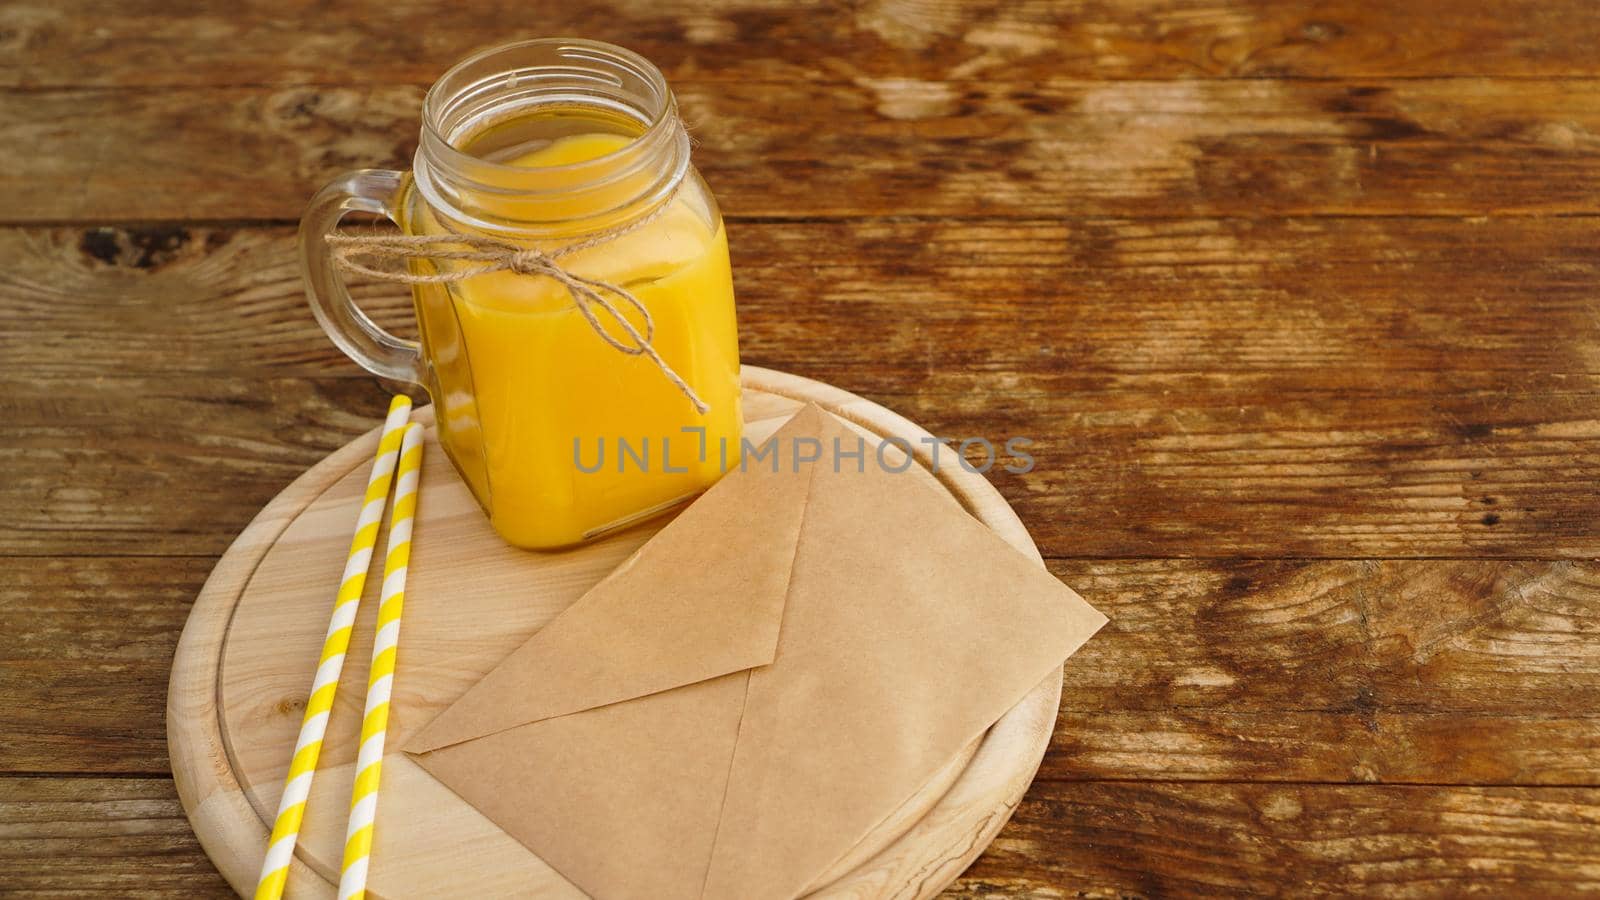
x=498, y=255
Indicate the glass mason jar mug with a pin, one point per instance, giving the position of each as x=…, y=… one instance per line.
x=572, y=150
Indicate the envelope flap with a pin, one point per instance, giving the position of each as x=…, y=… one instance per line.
x=641, y=631
x=947, y=627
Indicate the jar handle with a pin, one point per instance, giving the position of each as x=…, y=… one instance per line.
x=376, y=350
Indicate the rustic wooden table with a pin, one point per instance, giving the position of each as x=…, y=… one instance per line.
x=1298, y=300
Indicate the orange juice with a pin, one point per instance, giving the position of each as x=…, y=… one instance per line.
x=529, y=399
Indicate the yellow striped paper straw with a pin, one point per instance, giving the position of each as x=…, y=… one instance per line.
x=297, y=787
x=380, y=680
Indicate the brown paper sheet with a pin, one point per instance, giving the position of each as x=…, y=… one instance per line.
x=762, y=683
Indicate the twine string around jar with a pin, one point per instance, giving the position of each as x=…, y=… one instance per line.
x=494, y=254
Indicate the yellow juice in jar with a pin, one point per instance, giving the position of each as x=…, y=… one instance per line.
x=527, y=396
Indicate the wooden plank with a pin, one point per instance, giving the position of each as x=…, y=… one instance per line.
x=1352, y=636
x=1499, y=473
x=1219, y=744
x=893, y=147
x=83, y=669
x=93, y=301
x=1358, y=306
x=1156, y=840
x=176, y=465
x=69, y=837
x=166, y=466
x=124, y=837
x=1323, y=387
x=1420, y=671
x=1336, y=671
x=147, y=43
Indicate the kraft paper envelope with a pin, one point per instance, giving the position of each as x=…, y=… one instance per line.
x=768, y=678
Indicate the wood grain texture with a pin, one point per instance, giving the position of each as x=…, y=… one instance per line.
x=1227, y=840
x=1308, y=281
x=1360, y=306
x=124, y=837
x=1305, y=387
x=1136, y=473
x=880, y=148
x=159, y=466
x=86, y=643
x=72, y=837
x=369, y=42
x=1422, y=672
x=1427, y=671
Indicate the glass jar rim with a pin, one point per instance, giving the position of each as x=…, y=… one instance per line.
x=660, y=118
x=495, y=81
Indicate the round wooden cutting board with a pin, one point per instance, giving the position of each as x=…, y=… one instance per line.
x=245, y=660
